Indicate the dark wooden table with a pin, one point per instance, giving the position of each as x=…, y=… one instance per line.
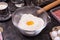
x=12, y=33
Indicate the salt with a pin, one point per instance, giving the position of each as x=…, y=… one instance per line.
x=3, y=5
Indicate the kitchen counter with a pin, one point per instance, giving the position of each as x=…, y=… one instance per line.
x=12, y=33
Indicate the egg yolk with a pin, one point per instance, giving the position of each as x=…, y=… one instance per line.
x=29, y=23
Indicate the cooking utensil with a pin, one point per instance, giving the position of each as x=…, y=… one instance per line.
x=46, y=8
x=4, y=11
x=29, y=10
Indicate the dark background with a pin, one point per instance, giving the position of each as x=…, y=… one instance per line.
x=12, y=33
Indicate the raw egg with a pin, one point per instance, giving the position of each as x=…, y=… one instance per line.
x=30, y=22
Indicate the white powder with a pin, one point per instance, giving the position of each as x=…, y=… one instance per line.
x=3, y=5
x=19, y=5
x=38, y=22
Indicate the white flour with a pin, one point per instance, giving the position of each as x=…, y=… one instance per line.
x=3, y=5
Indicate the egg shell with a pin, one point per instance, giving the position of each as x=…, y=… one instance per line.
x=57, y=38
x=58, y=32
x=54, y=33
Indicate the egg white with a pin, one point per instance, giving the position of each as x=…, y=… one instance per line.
x=38, y=22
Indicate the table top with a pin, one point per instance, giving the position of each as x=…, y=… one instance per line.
x=12, y=33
